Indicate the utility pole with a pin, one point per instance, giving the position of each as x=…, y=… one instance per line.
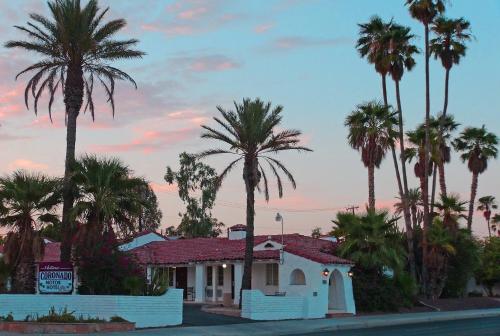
x=352, y=208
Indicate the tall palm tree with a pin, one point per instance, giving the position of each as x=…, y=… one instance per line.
x=486, y=204
x=449, y=46
x=371, y=131
x=373, y=44
x=107, y=196
x=401, y=52
x=477, y=146
x=425, y=11
x=77, y=49
x=28, y=201
x=251, y=133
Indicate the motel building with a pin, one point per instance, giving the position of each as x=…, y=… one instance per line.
x=289, y=270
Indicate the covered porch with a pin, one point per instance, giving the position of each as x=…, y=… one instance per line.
x=218, y=282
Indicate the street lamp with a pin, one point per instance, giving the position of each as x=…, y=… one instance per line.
x=279, y=218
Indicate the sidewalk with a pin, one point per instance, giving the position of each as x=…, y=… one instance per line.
x=299, y=327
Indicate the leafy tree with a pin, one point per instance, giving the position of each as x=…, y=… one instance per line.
x=462, y=265
x=27, y=202
x=77, y=50
x=371, y=131
x=489, y=272
x=252, y=133
x=197, y=184
x=316, y=232
x=52, y=231
x=476, y=146
x=150, y=215
x=486, y=204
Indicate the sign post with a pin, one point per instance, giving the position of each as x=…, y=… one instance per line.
x=55, y=278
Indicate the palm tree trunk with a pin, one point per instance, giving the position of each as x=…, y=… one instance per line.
x=446, y=86
x=442, y=179
x=473, y=191
x=433, y=190
x=425, y=190
x=489, y=228
x=442, y=182
x=73, y=98
x=404, y=196
x=371, y=186
x=250, y=183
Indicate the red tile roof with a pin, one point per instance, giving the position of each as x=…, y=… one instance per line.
x=239, y=227
x=185, y=251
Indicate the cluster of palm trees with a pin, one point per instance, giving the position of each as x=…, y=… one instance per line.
x=376, y=128
x=108, y=198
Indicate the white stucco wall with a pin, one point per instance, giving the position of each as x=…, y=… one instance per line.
x=257, y=306
x=316, y=290
x=140, y=241
x=145, y=311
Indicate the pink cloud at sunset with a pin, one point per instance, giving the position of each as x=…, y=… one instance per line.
x=207, y=63
x=263, y=28
x=150, y=141
x=27, y=165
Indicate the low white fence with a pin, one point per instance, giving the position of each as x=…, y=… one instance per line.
x=257, y=306
x=145, y=311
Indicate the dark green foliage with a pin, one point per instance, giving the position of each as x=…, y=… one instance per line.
x=462, y=265
x=489, y=272
x=375, y=292
x=197, y=184
x=373, y=241
x=103, y=269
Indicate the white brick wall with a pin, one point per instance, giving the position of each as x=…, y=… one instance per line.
x=145, y=311
x=257, y=306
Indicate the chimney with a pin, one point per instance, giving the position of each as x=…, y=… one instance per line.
x=236, y=232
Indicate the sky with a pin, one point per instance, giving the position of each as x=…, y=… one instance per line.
x=296, y=53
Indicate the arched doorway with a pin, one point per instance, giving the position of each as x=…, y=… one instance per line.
x=336, y=293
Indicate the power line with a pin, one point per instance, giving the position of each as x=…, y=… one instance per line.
x=352, y=208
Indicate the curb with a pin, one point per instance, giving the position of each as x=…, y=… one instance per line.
x=439, y=317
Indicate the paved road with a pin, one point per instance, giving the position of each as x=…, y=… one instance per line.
x=474, y=327
x=194, y=316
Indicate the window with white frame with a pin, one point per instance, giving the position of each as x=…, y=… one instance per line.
x=272, y=274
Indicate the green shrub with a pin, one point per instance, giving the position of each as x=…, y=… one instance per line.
x=8, y=318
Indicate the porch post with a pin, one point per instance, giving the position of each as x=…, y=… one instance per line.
x=214, y=282
x=199, y=283
x=238, y=275
x=350, y=305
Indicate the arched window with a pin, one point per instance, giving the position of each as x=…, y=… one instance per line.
x=297, y=277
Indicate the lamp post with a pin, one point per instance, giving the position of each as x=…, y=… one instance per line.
x=279, y=218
